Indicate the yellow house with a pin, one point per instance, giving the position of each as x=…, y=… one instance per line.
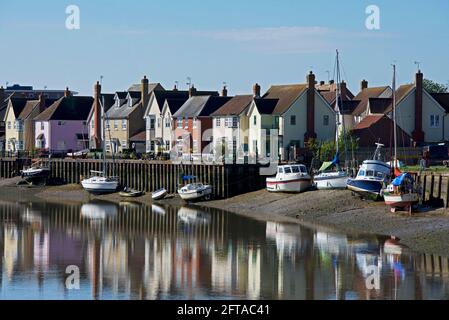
x=14, y=129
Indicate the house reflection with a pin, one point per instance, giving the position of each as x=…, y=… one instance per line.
x=191, y=253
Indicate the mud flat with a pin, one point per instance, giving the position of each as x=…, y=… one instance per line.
x=426, y=231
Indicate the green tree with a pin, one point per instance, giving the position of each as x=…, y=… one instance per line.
x=434, y=87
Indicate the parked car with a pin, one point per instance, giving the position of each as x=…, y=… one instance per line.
x=437, y=154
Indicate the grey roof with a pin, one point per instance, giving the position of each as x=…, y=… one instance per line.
x=151, y=87
x=121, y=112
x=200, y=106
x=67, y=108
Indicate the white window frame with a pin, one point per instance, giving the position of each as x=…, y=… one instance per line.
x=434, y=120
x=179, y=123
x=124, y=124
x=218, y=122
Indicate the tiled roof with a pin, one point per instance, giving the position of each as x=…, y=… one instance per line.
x=442, y=99
x=266, y=106
x=67, y=108
x=151, y=87
x=31, y=105
x=18, y=104
x=200, y=106
x=379, y=105
x=141, y=136
x=235, y=106
x=368, y=121
x=286, y=95
x=174, y=104
x=365, y=95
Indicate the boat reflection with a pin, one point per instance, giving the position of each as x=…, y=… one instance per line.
x=194, y=216
x=99, y=210
x=157, y=209
x=141, y=254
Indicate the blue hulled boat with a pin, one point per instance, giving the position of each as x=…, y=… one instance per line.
x=372, y=177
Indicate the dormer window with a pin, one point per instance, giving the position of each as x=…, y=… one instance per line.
x=117, y=102
x=130, y=102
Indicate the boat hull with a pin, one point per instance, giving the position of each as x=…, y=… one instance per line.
x=369, y=189
x=331, y=181
x=35, y=174
x=401, y=201
x=159, y=194
x=192, y=195
x=100, y=187
x=294, y=185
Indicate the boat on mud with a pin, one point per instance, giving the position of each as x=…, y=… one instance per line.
x=290, y=178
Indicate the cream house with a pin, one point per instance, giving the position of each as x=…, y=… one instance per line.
x=155, y=121
x=301, y=113
x=262, y=124
x=230, y=129
x=419, y=113
x=169, y=108
x=14, y=127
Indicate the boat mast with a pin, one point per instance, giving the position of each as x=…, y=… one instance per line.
x=394, y=119
x=337, y=106
x=337, y=110
x=103, y=128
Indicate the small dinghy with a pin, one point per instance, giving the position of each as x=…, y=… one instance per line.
x=130, y=193
x=35, y=174
x=195, y=191
x=159, y=194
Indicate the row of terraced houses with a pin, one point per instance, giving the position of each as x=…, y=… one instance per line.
x=147, y=118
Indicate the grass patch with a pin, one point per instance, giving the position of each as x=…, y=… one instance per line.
x=432, y=169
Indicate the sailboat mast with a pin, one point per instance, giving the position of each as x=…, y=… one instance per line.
x=338, y=99
x=103, y=128
x=395, y=159
x=337, y=107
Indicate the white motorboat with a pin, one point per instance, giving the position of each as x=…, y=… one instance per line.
x=78, y=154
x=372, y=177
x=331, y=180
x=195, y=191
x=159, y=194
x=290, y=178
x=99, y=183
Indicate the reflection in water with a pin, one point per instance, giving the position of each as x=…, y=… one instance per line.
x=133, y=251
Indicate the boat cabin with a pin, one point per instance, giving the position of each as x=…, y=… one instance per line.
x=292, y=169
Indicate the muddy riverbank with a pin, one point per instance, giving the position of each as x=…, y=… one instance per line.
x=426, y=231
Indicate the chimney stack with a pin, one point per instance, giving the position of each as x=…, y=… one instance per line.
x=418, y=134
x=310, y=133
x=144, y=91
x=224, y=92
x=363, y=85
x=331, y=82
x=41, y=102
x=67, y=92
x=175, y=88
x=2, y=95
x=322, y=83
x=192, y=91
x=343, y=89
x=96, y=118
x=256, y=90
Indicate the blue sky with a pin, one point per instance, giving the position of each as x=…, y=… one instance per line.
x=234, y=41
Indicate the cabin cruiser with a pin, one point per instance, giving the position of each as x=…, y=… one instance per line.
x=290, y=178
x=373, y=175
x=195, y=191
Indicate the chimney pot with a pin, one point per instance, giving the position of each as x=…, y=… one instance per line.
x=322, y=83
x=363, y=85
x=67, y=92
x=256, y=90
x=224, y=92
x=192, y=91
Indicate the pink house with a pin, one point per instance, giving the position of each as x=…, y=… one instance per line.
x=62, y=126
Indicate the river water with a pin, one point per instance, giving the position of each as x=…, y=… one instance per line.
x=101, y=250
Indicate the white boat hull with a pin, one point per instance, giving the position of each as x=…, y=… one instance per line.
x=293, y=185
x=333, y=180
x=194, y=194
x=100, y=185
x=159, y=194
x=401, y=200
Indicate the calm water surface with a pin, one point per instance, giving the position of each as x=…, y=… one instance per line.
x=132, y=251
